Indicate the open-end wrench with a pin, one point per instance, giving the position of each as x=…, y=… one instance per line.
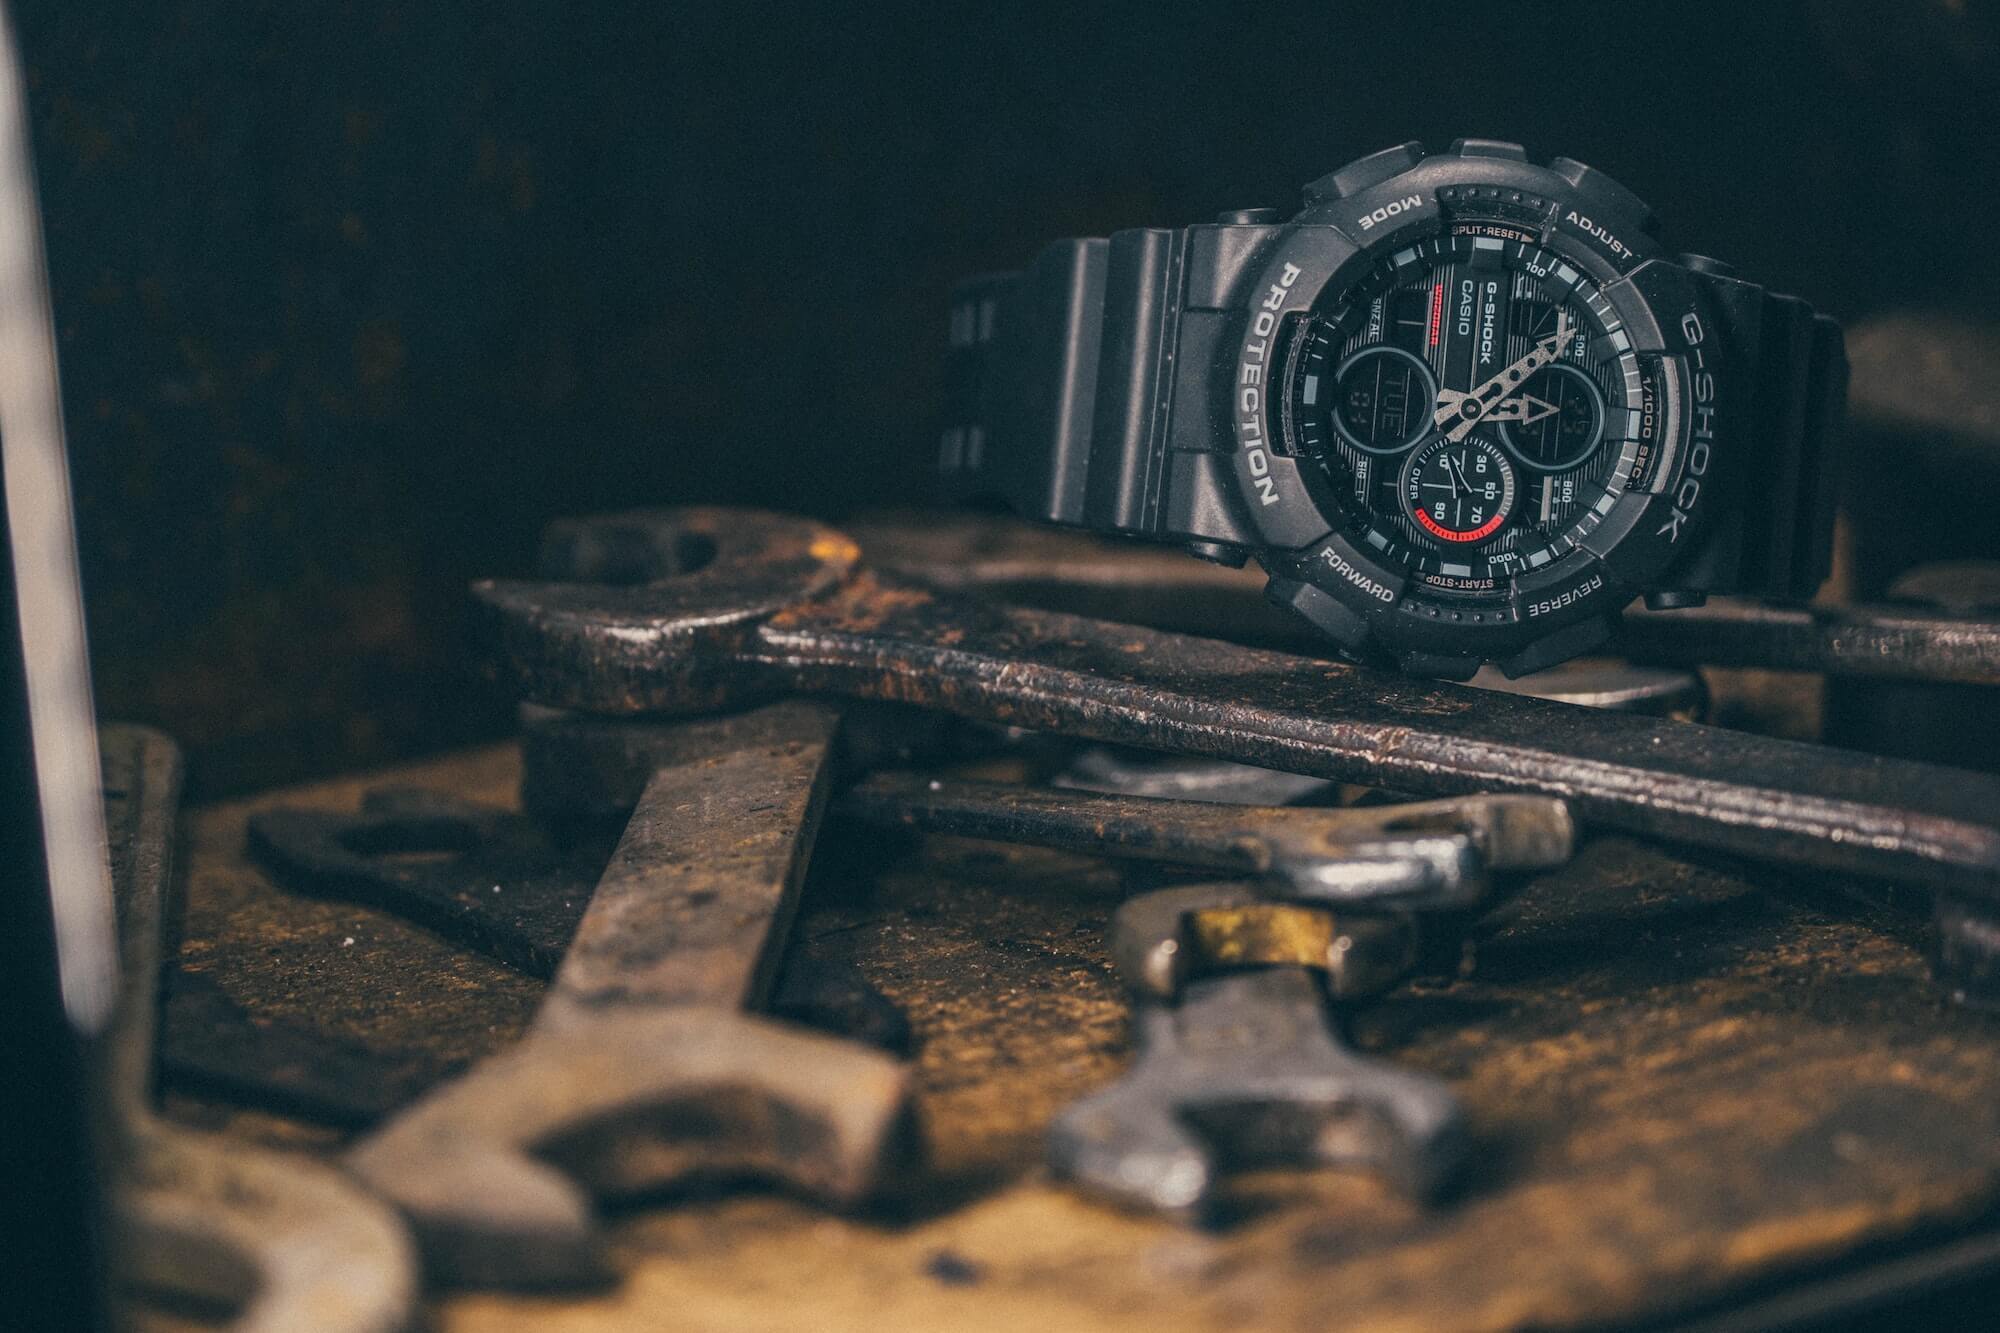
x=1428, y=855
x=1240, y=1068
x=280, y=1242
x=642, y=1070
x=771, y=605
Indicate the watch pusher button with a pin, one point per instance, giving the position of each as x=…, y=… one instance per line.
x=1590, y=181
x=1248, y=217
x=1674, y=599
x=1320, y=610
x=1513, y=152
x=1220, y=553
x=1704, y=264
x=1363, y=172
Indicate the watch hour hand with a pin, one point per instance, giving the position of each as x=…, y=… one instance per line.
x=1459, y=412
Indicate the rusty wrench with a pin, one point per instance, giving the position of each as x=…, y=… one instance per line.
x=770, y=605
x=1013, y=561
x=1240, y=1067
x=282, y=1242
x=641, y=1070
x=1426, y=856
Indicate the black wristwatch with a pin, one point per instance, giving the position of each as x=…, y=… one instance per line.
x=1462, y=408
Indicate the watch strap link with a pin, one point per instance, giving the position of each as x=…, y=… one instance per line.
x=1801, y=394
x=1059, y=382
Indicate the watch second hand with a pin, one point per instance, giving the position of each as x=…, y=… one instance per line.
x=1458, y=412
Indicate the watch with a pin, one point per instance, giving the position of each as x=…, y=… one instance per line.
x=1462, y=408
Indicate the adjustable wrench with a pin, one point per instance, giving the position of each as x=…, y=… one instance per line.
x=770, y=605
x=1246, y=1067
x=641, y=1069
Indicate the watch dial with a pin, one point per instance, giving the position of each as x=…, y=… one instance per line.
x=1475, y=404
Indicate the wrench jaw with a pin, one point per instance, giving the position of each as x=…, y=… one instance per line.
x=1435, y=872
x=1129, y=1147
x=1162, y=941
x=654, y=610
x=1245, y=1072
x=499, y=1172
x=1509, y=833
x=1239, y=1062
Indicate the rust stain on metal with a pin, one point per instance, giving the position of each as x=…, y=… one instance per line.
x=1680, y=1083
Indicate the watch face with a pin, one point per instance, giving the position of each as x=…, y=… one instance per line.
x=1474, y=403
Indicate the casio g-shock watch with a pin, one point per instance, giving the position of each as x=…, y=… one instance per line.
x=1463, y=408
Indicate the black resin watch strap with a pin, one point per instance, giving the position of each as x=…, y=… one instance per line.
x=1801, y=397
x=1776, y=539
x=1059, y=379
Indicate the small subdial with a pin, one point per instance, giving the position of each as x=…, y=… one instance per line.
x=1459, y=491
x=1559, y=421
x=1382, y=399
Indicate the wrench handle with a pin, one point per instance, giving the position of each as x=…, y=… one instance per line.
x=1775, y=801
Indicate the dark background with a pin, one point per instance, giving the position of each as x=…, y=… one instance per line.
x=353, y=297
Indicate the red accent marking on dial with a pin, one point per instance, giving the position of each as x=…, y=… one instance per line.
x=1442, y=533
x=1437, y=310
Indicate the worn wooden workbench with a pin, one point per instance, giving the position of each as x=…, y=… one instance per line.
x=1685, y=1089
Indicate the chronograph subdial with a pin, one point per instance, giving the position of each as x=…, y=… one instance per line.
x=1461, y=492
x=1560, y=421
x=1382, y=399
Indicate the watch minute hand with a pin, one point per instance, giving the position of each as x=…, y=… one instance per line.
x=1458, y=412
x=1522, y=407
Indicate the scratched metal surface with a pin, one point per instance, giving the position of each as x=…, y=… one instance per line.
x=1682, y=1088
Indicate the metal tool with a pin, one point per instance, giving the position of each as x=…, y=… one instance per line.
x=1432, y=855
x=482, y=877
x=436, y=860
x=1246, y=1068
x=785, y=606
x=281, y=1242
x=641, y=1069
x=1159, y=587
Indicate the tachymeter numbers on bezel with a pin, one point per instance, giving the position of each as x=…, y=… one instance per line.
x=1459, y=491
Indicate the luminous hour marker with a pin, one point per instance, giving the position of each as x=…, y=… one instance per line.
x=1311, y=394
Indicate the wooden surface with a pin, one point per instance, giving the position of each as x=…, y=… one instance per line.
x=1682, y=1088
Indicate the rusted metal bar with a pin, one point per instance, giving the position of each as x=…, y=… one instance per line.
x=1014, y=562
x=785, y=606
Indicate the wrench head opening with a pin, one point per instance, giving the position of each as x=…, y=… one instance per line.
x=499, y=1172
x=641, y=611
x=1246, y=1070
x=1162, y=941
